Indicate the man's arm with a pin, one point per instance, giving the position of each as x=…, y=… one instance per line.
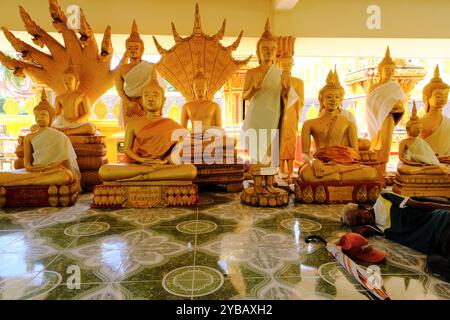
x=427, y=205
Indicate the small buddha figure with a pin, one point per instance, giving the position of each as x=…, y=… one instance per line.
x=291, y=117
x=132, y=77
x=265, y=86
x=384, y=109
x=416, y=155
x=201, y=108
x=436, y=126
x=73, y=108
x=49, y=157
x=149, y=145
x=335, y=137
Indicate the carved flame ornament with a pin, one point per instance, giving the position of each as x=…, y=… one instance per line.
x=199, y=52
x=91, y=63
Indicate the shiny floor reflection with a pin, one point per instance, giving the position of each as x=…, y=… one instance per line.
x=218, y=249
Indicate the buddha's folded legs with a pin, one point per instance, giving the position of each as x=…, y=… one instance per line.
x=85, y=129
x=408, y=169
x=340, y=172
x=22, y=177
x=138, y=172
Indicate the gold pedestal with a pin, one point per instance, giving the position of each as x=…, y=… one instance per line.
x=422, y=185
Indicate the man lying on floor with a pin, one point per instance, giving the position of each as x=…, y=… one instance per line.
x=423, y=226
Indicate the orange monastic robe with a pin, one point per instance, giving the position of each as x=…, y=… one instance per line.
x=154, y=138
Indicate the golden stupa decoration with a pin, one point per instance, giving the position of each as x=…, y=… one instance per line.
x=92, y=63
x=199, y=52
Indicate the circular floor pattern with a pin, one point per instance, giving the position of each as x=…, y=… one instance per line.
x=305, y=225
x=193, y=281
x=337, y=276
x=30, y=286
x=86, y=229
x=196, y=226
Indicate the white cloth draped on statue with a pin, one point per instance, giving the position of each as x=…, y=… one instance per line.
x=420, y=151
x=380, y=103
x=264, y=114
x=440, y=139
x=51, y=146
x=135, y=81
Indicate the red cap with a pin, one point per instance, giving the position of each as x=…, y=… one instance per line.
x=355, y=245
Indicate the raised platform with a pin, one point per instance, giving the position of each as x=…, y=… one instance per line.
x=144, y=195
x=335, y=192
x=422, y=185
x=39, y=196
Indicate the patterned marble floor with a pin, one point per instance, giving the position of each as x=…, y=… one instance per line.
x=219, y=249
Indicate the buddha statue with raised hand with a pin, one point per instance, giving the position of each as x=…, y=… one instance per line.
x=416, y=155
x=73, y=108
x=335, y=138
x=49, y=157
x=150, y=146
x=436, y=126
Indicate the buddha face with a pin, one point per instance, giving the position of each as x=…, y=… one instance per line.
x=135, y=50
x=414, y=129
x=70, y=81
x=153, y=99
x=331, y=99
x=387, y=71
x=200, y=88
x=267, y=51
x=42, y=118
x=286, y=64
x=439, y=98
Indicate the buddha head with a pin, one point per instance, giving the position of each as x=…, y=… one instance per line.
x=199, y=85
x=134, y=44
x=267, y=46
x=153, y=97
x=70, y=78
x=386, y=68
x=332, y=94
x=435, y=93
x=414, y=125
x=44, y=112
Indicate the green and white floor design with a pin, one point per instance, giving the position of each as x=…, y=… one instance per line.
x=218, y=250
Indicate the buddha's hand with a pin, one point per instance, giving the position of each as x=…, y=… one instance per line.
x=36, y=168
x=257, y=83
x=398, y=107
x=133, y=108
x=286, y=79
x=319, y=168
x=146, y=161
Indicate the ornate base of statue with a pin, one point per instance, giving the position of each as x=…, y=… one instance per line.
x=91, y=155
x=336, y=192
x=145, y=195
x=39, y=196
x=422, y=185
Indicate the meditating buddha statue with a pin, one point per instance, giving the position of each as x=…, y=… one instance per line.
x=291, y=116
x=73, y=108
x=132, y=77
x=384, y=109
x=267, y=88
x=419, y=172
x=201, y=109
x=48, y=155
x=335, y=137
x=416, y=155
x=436, y=126
x=149, y=145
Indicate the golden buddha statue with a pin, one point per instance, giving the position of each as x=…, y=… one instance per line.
x=384, y=109
x=201, y=109
x=267, y=88
x=132, y=77
x=416, y=155
x=291, y=115
x=149, y=145
x=49, y=157
x=73, y=108
x=436, y=126
x=335, y=137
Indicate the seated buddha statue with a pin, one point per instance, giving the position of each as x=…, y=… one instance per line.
x=73, y=108
x=49, y=157
x=416, y=155
x=201, y=109
x=335, y=137
x=436, y=126
x=149, y=144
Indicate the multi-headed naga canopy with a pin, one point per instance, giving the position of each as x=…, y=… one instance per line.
x=198, y=52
